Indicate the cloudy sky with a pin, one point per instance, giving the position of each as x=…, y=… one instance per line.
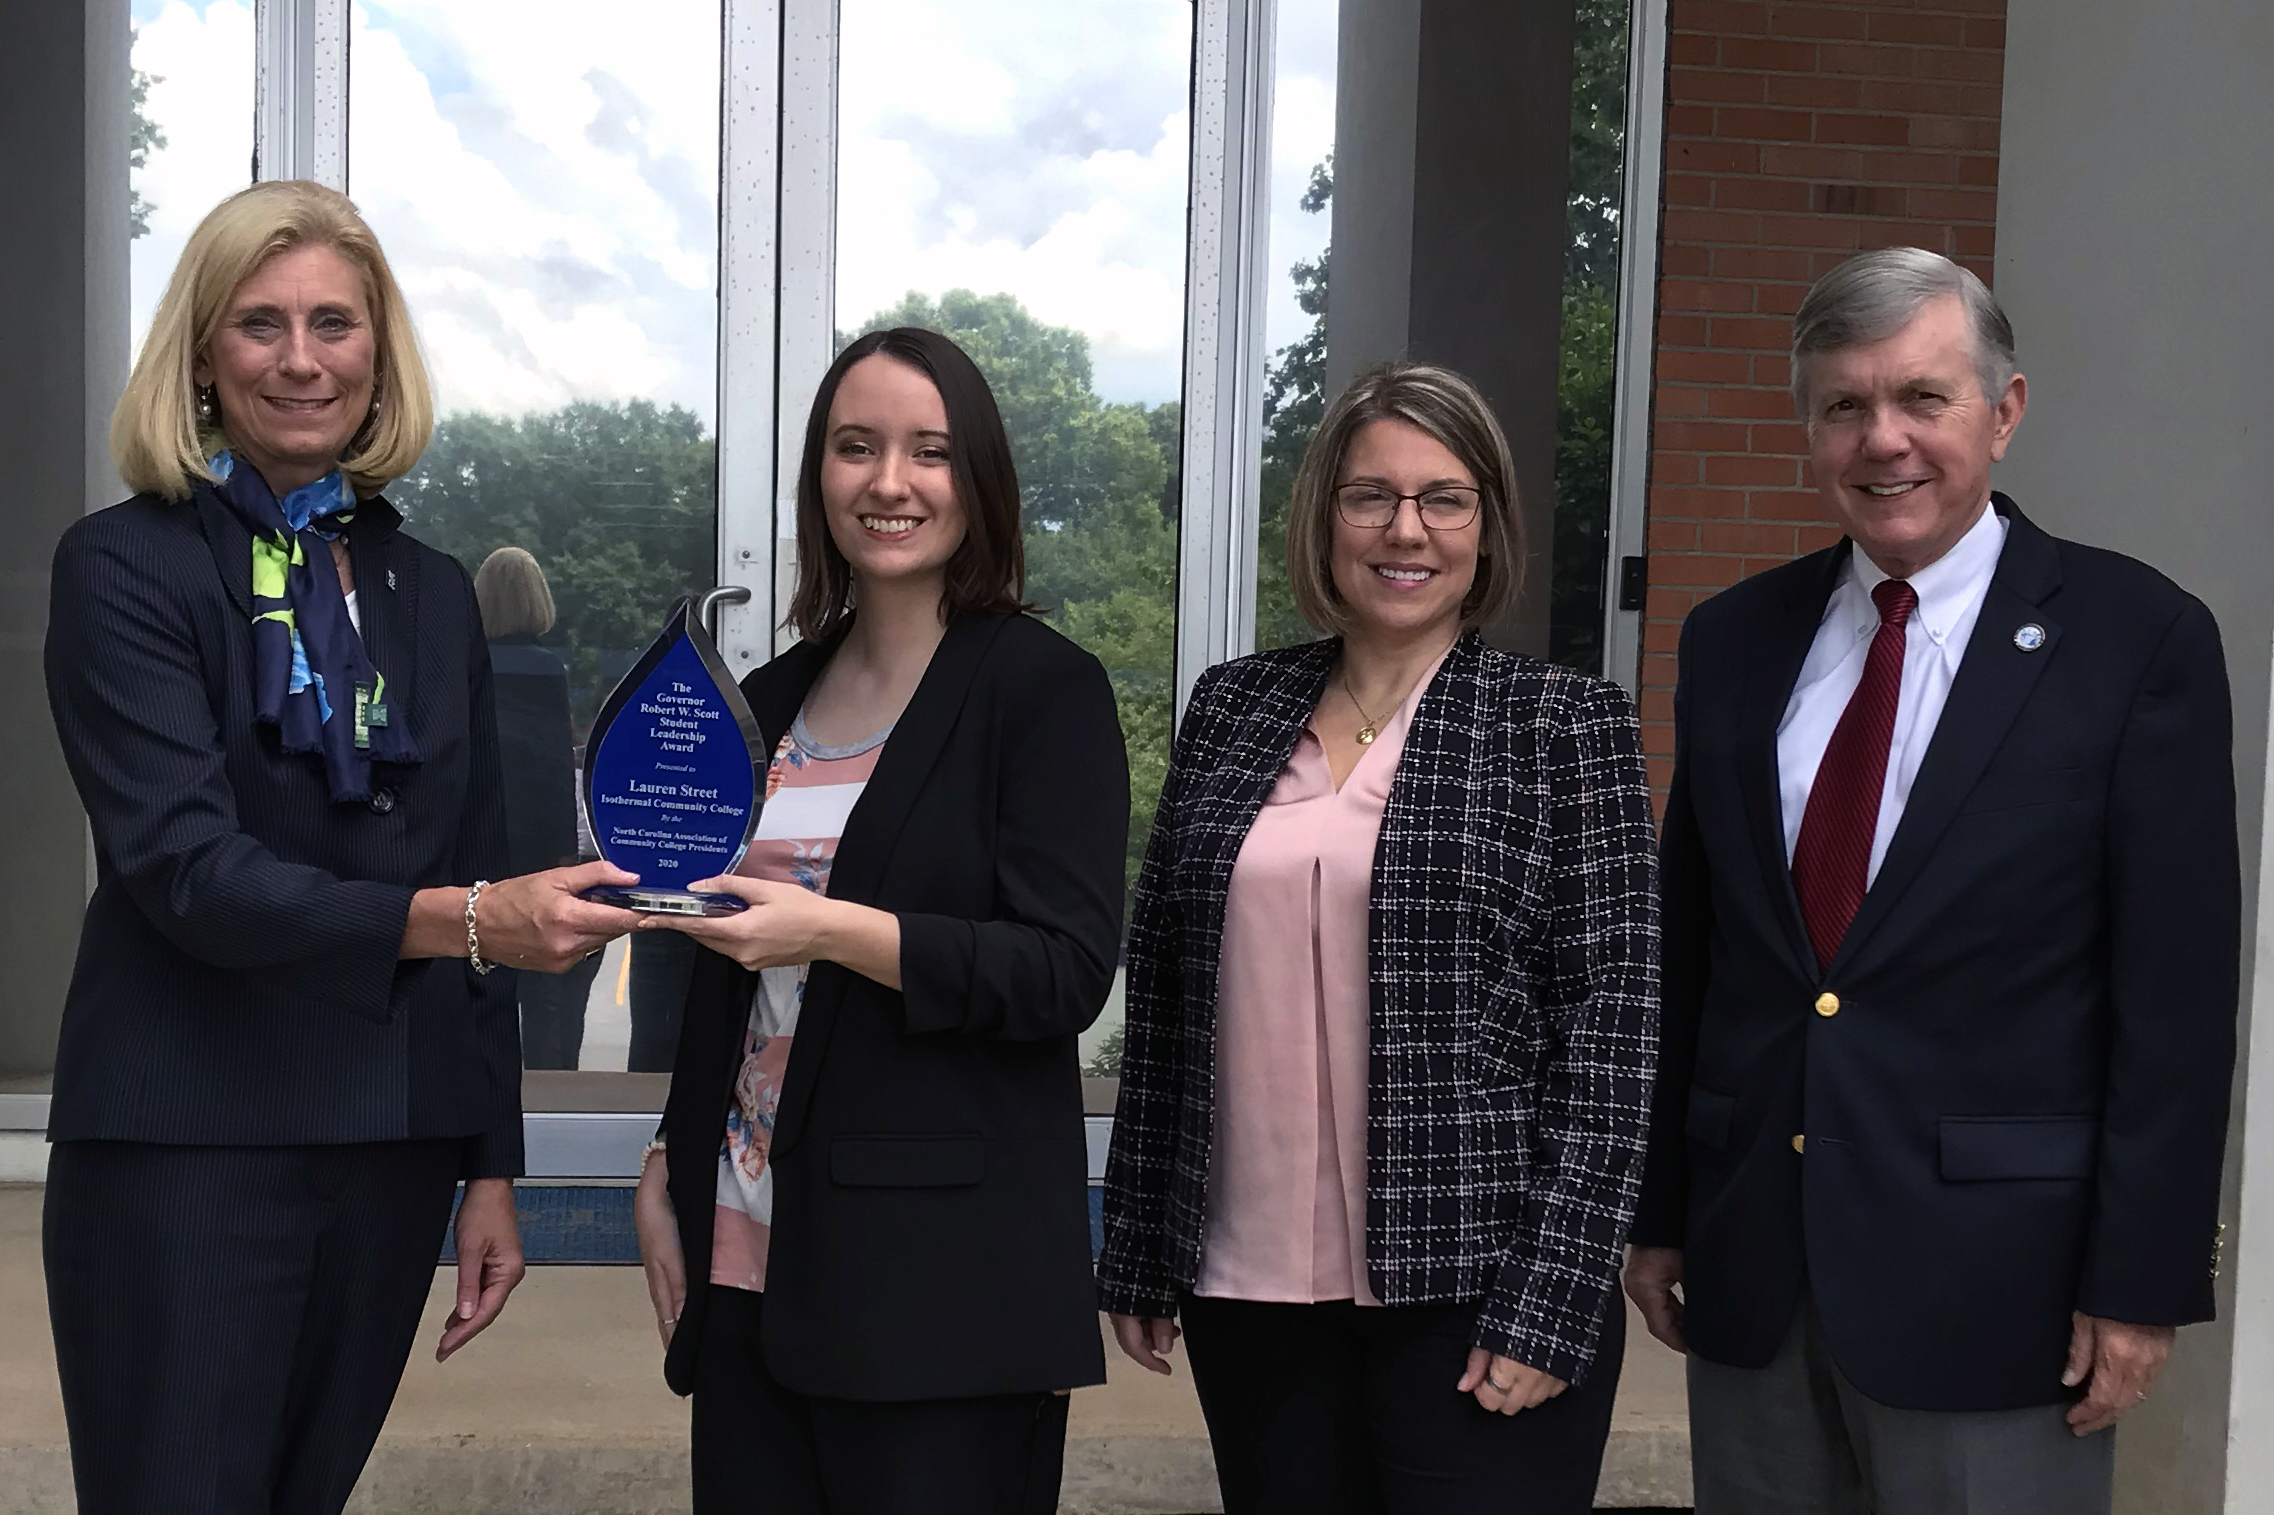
x=544, y=175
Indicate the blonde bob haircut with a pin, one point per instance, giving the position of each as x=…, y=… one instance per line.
x=158, y=442
x=514, y=598
x=1442, y=404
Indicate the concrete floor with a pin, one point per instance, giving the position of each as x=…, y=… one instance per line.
x=560, y=1409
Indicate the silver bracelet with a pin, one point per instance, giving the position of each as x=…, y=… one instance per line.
x=473, y=938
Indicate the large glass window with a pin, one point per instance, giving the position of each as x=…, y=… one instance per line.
x=190, y=134
x=544, y=177
x=1016, y=173
x=1302, y=187
x=1035, y=212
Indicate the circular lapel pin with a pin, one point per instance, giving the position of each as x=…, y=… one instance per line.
x=2029, y=638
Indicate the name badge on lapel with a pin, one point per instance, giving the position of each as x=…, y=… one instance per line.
x=370, y=711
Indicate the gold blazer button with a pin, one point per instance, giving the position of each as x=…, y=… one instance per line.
x=1800, y=1144
x=1827, y=1005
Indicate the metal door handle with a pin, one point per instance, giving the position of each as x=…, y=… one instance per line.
x=706, y=606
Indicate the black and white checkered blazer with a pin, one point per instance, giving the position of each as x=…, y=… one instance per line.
x=1513, y=946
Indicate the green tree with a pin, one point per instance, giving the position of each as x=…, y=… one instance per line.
x=1098, y=487
x=1075, y=453
x=143, y=137
x=617, y=502
x=1294, y=399
x=1598, y=140
x=1587, y=363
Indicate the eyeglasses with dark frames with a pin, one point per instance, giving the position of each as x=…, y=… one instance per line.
x=1443, y=507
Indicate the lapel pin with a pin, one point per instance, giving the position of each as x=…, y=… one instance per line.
x=2030, y=637
x=390, y=578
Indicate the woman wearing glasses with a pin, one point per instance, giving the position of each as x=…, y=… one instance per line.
x=1391, y=1011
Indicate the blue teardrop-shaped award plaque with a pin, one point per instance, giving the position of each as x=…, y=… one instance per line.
x=672, y=774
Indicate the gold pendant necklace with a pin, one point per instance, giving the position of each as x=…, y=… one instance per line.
x=1367, y=732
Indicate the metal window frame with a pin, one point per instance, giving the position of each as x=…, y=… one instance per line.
x=776, y=336
x=749, y=274
x=1226, y=263
x=806, y=335
x=300, y=90
x=1634, y=382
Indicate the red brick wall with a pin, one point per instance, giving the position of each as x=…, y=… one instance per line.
x=1795, y=135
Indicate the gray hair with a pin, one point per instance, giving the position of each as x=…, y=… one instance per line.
x=1874, y=295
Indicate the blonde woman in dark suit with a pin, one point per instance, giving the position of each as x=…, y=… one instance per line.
x=283, y=1047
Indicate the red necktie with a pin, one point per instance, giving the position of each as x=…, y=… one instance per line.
x=1832, y=860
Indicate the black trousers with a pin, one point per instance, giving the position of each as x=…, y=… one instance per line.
x=231, y=1322
x=552, y=1014
x=761, y=1449
x=1331, y=1409
x=663, y=965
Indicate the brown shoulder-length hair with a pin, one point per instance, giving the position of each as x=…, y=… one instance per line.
x=1446, y=406
x=988, y=571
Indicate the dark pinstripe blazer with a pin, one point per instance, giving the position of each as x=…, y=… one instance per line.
x=1513, y=939
x=237, y=979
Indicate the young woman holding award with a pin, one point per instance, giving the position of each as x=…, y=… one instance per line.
x=865, y=1225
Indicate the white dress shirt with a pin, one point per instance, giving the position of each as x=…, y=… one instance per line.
x=1950, y=591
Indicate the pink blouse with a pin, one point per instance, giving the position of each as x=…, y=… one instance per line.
x=1286, y=1218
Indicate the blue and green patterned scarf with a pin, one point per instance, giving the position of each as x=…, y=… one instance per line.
x=313, y=680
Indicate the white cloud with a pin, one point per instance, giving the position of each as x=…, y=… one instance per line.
x=1302, y=133
x=201, y=97
x=545, y=181
x=1026, y=146
x=544, y=175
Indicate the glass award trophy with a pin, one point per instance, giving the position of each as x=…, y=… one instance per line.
x=672, y=774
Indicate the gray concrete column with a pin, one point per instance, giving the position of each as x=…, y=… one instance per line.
x=1452, y=165
x=63, y=356
x=2135, y=210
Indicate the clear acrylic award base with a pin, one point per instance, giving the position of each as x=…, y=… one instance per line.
x=663, y=901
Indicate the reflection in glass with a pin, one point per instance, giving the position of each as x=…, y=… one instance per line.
x=1294, y=380
x=189, y=130
x=1590, y=338
x=546, y=184
x=1035, y=212
x=537, y=742
x=1303, y=186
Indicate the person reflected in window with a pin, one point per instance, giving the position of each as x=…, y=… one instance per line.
x=537, y=739
x=282, y=1047
x=866, y=1224
x=1391, y=1011
x=656, y=981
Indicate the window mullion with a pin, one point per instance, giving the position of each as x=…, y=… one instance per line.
x=1224, y=335
x=1640, y=165
x=806, y=339
x=300, y=90
x=749, y=171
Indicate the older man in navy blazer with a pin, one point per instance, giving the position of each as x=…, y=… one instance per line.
x=1951, y=934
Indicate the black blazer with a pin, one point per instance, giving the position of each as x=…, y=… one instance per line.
x=931, y=1231
x=537, y=740
x=237, y=979
x=2018, y=1106
x=1512, y=945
